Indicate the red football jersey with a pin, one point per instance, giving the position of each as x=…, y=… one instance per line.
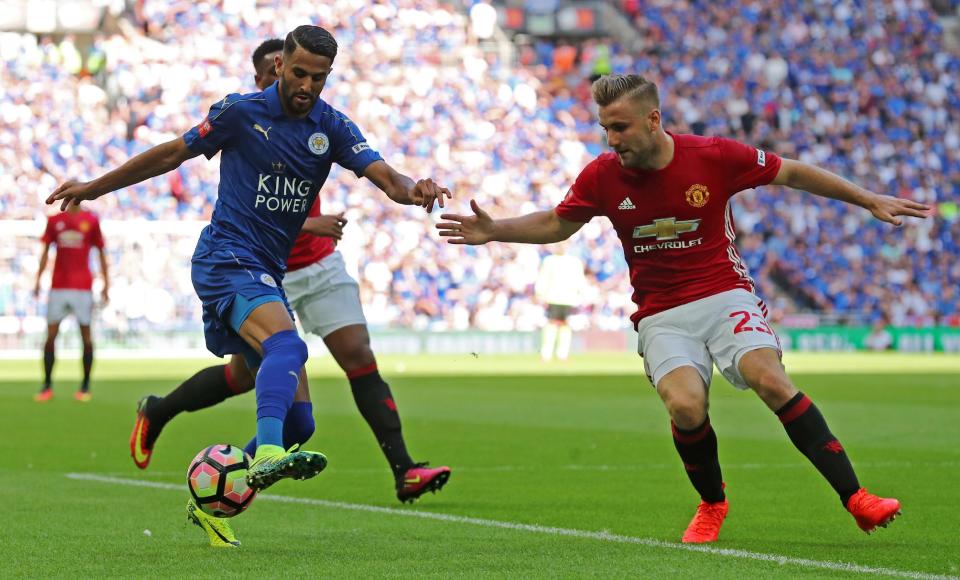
x=74, y=234
x=308, y=248
x=675, y=224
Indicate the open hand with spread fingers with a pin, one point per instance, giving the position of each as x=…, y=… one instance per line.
x=887, y=208
x=466, y=229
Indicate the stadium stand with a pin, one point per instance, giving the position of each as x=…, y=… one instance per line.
x=870, y=94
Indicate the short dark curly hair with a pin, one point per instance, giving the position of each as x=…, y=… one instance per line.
x=265, y=48
x=312, y=39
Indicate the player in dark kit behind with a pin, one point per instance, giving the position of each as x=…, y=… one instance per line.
x=668, y=197
x=327, y=301
x=277, y=147
x=74, y=233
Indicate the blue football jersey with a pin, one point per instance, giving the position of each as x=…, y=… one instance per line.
x=271, y=168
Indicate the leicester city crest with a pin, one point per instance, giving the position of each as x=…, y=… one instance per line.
x=268, y=280
x=318, y=143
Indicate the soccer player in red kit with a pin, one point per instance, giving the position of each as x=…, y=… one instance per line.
x=668, y=197
x=74, y=232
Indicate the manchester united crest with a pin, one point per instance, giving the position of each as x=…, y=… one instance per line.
x=697, y=195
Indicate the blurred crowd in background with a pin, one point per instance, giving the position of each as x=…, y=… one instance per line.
x=870, y=94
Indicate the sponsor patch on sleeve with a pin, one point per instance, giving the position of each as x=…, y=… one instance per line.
x=360, y=147
x=204, y=127
x=761, y=158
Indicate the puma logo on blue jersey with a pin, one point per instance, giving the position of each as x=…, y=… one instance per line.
x=257, y=127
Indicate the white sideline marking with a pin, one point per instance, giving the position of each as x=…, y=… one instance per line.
x=799, y=464
x=568, y=532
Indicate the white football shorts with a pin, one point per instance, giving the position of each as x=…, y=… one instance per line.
x=63, y=302
x=716, y=330
x=324, y=296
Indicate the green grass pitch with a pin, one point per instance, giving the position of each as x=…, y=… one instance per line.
x=562, y=470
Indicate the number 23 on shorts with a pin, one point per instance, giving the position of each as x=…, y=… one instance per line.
x=749, y=322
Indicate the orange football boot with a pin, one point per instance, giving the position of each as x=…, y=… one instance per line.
x=705, y=526
x=872, y=511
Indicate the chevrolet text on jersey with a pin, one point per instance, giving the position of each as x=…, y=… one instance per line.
x=680, y=245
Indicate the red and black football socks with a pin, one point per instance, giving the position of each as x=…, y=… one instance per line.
x=810, y=434
x=204, y=389
x=376, y=404
x=49, y=357
x=87, y=367
x=698, y=450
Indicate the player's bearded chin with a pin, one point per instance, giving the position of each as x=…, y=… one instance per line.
x=295, y=104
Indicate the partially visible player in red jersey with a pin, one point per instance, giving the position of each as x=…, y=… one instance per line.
x=668, y=197
x=327, y=301
x=74, y=232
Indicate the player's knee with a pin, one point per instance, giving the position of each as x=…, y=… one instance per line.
x=241, y=383
x=687, y=411
x=771, y=383
x=359, y=355
x=238, y=376
x=350, y=347
x=688, y=416
x=286, y=345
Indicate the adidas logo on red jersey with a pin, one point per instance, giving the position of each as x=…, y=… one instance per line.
x=626, y=204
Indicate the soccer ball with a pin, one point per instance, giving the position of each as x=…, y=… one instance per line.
x=217, y=479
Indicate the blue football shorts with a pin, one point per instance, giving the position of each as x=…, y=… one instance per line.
x=231, y=284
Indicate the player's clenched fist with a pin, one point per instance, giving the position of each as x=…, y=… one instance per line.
x=71, y=191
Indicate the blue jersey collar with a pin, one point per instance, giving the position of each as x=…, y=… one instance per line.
x=272, y=94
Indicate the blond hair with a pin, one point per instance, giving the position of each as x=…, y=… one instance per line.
x=610, y=88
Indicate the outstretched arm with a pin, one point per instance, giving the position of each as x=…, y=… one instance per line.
x=404, y=190
x=151, y=163
x=800, y=175
x=541, y=227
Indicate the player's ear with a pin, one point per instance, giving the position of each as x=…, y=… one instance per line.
x=654, y=118
x=278, y=63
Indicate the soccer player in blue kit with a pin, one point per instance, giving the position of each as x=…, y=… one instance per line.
x=277, y=149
